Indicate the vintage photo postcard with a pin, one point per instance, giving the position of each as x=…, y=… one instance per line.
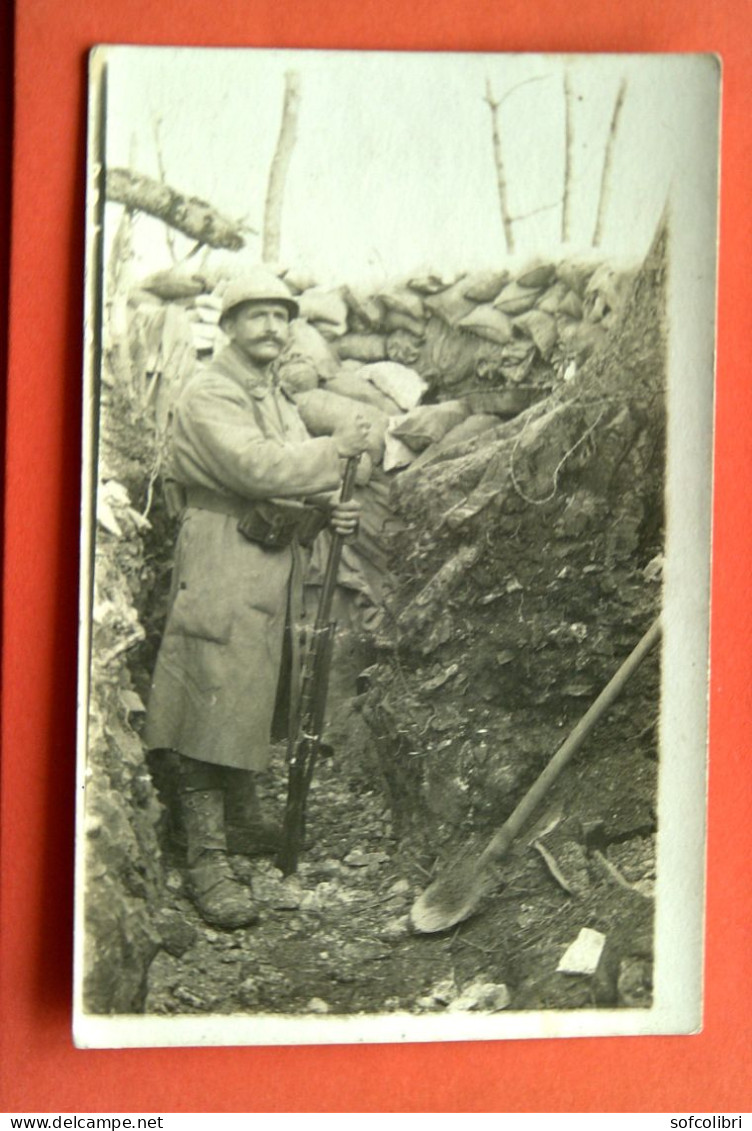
x=398, y=406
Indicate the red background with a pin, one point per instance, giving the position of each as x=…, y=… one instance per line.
x=41, y=1071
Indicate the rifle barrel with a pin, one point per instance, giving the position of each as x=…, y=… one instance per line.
x=303, y=749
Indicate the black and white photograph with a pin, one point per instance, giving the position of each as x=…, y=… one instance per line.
x=398, y=427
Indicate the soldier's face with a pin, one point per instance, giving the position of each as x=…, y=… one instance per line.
x=260, y=330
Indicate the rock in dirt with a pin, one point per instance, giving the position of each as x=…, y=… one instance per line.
x=356, y=952
x=187, y=997
x=439, y=995
x=400, y=887
x=281, y=894
x=248, y=992
x=635, y=983
x=176, y=934
x=317, y=1005
x=584, y=954
x=359, y=859
x=489, y=997
x=395, y=929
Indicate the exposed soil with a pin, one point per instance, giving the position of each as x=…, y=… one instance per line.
x=335, y=939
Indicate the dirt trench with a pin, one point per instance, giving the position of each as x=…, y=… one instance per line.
x=522, y=576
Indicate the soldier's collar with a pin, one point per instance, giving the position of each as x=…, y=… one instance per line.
x=236, y=365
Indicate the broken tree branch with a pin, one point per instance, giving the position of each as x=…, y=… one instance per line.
x=190, y=215
x=506, y=219
x=607, y=162
x=536, y=211
x=566, y=212
x=517, y=85
x=280, y=164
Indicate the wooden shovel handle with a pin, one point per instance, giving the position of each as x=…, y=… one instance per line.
x=512, y=826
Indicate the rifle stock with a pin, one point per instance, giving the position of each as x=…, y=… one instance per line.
x=304, y=745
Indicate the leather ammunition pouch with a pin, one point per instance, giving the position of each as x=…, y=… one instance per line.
x=276, y=523
x=272, y=523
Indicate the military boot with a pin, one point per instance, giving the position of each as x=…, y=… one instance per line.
x=249, y=833
x=220, y=899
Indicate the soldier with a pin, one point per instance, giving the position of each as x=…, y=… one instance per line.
x=254, y=481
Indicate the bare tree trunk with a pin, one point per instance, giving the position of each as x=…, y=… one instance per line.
x=506, y=218
x=280, y=164
x=566, y=212
x=187, y=214
x=607, y=162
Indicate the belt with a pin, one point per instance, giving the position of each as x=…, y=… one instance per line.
x=205, y=499
x=273, y=523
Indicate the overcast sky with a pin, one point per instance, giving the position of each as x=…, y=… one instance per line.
x=393, y=169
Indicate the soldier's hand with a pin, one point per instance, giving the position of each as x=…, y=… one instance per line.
x=352, y=437
x=345, y=517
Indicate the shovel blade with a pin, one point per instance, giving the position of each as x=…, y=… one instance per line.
x=450, y=899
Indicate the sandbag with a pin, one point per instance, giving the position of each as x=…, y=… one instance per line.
x=173, y=284
x=358, y=388
x=138, y=297
x=396, y=452
x=366, y=313
x=361, y=347
x=466, y=430
x=429, y=284
x=450, y=356
x=209, y=307
x=540, y=328
x=484, y=286
x=403, y=385
x=580, y=339
x=304, y=341
x=516, y=299
x=203, y=314
x=402, y=347
x=551, y=300
x=297, y=374
x=488, y=323
x=538, y=275
x=576, y=275
x=327, y=310
x=571, y=305
x=517, y=359
x=489, y=360
x=403, y=300
x=428, y=423
x=323, y=412
x=204, y=337
x=330, y=330
x=450, y=305
x=350, y=366
x=605, y=293
x=364, y=470
x=399, y=320
x=298, y=281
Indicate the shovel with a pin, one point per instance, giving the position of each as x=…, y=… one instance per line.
x=455, y=895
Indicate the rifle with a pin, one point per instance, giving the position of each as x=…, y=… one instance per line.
x=304, y=745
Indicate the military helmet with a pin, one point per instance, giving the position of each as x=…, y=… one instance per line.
x=257, y=285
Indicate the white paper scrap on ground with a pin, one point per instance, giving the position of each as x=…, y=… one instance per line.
x=583, y=956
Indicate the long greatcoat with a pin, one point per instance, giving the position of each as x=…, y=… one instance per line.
x=215, y=682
